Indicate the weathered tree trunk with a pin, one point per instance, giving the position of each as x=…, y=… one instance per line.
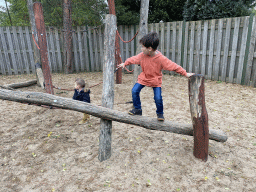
x=67, y=25
x=40, y=78
x=199, y=116
x=143, y=31
x=105, y=113
x=20, y=85
x=108, y=86
x=41, y=32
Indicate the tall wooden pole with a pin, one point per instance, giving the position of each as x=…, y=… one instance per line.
x=39, y=73
x=199, y=116
x=108, y=86
x=67, y=25
x=112, y=10
x=41, y=32
x=143, y=31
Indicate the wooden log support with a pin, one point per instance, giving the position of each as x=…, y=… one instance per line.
x=108, y=86
x=40, y=78
x=41, y=32
x=20, y=85
x=199, y=116
x=105, y=113
x=144, y=7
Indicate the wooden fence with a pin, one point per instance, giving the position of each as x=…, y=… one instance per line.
x=222, y=49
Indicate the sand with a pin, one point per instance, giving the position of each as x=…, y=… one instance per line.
x=47, y=150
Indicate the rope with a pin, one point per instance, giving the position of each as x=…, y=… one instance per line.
x=129, y=40
x=35, y=41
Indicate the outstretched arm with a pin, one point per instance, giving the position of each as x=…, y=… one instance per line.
x=132, y=60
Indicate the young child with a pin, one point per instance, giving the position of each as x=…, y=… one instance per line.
x=81, y=94
x=152, y=63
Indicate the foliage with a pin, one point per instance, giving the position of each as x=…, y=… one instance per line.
x=84, y=12
x=214, y=9
x=128, y=11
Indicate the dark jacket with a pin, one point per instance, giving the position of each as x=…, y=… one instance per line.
x=82, y=96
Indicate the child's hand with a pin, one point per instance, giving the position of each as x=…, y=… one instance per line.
x=121, y=65
x=189, y=74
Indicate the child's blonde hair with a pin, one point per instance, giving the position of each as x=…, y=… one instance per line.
x=82, y=84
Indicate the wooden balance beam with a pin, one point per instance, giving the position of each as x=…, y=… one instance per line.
x=105, y=113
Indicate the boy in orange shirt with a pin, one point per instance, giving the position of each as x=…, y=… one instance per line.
x=152, y=63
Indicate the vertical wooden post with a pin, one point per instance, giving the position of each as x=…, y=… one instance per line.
x=199, y=116
x=41, y=32
x=143, y=31
x=112, y=10
x=108, y=86
x=67, y=25
x=39, y=73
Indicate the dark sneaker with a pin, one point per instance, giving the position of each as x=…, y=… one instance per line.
x=160, y=117
x=135, y=112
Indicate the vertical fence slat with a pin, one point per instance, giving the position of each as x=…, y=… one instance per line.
x=179, y=43
x=251, y=53
x=185, y=61
x=218, y=51
x=191, y=50
x=205, y=35
x=17, y=50
x=174, y=30
x=242, y=51
x=11, y=47
x=75, y=48
x=157, y=28
x=121, y=42
x=132, y=46
x=82, y=64
x=24, y=51
x=91, y=49
x=198, y=47
x=168, y=40
x=96, y=54
x=6, y=55
x=211, y=50
x=162, y=38
x=48, y=50
x=30, y=50
x=87, y=64
x=2, y=62
x=234, y=49
x=226, y=50
x=58, y=49
x=151, y=27
x=53, y=50
x=126, y=44
x=101, y=49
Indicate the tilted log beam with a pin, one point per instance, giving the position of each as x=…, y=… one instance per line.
x=20, y=85
x=105, y=113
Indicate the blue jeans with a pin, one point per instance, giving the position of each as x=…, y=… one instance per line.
x=157, y=96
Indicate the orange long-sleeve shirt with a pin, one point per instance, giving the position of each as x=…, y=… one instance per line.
x=152, y=67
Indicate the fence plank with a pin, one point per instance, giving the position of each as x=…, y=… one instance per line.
x=17, y=49
x=218, y=52
x=198, y=47
x=101, y=42
x=24, y=51
x=6, y=55
x=174, y=35
x=75, y=48
x=205, y=36
x=58, y=49
x=162, y=38
x=2, y=63
x=185, y=59
x=126, y=44
x=251, y=53
x=11, y=50
x=179, y=42
x=226, y=50
x=52, y=48
x=211, y=50
x=132, y=46
x=91, y=49
x=191, y=51
x=48, y=50
x=81, y=55
x=96, y=54
x=151, y=26
x=30, y=50
x=86, y=51
x=121, y=43
x=242, y=51
x=234, y=49
x=168, y=40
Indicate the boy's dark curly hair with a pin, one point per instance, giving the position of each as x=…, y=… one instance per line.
x=150, y=40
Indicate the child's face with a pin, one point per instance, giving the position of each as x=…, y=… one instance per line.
x=77, y=86
x=146, y=51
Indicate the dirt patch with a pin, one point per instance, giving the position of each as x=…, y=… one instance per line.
x=47, y=150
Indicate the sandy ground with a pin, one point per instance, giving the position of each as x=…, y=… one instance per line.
x=47, y=150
